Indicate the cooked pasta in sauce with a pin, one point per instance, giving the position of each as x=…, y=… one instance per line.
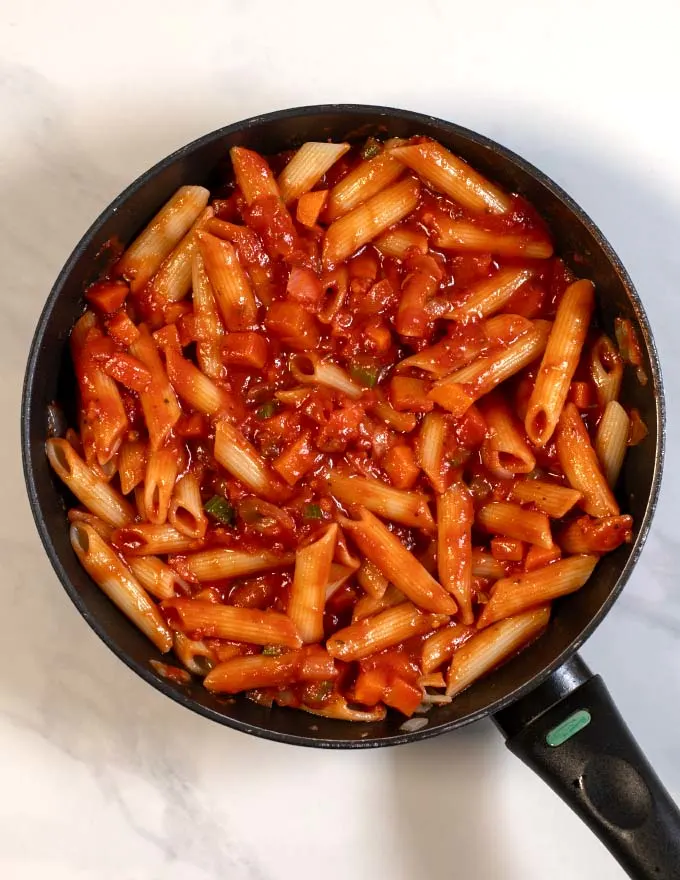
x=346, y=429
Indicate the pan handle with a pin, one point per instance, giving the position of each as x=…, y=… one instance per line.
x=570, y=732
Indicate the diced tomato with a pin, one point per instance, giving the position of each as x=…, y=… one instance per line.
x=304, y=287
x=107, y=296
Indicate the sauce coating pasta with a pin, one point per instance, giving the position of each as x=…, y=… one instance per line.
x=301, y=440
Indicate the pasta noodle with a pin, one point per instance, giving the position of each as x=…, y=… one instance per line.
x=560, y=360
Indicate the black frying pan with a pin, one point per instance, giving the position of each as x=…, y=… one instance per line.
x=556, y=715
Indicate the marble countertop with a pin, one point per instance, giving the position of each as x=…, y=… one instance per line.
x=101, y=776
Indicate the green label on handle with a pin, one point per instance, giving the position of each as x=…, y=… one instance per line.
x=567, y=728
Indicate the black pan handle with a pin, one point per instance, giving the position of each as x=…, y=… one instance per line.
x=570, y=732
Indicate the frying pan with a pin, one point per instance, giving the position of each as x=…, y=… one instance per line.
x=555, y=714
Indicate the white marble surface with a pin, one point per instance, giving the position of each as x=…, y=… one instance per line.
x=102, y=777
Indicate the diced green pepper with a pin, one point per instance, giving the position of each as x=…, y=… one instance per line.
x=220, y=509
x=365, y=375
x=313, y=511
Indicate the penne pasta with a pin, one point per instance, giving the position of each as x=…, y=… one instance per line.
x=430, y=449
x=462, y=236
x=455, y=516
x=372, y=580
x=159, y=403
x=346, y=235
x=450, y=175
x=516, y=594
x=338, y=575
x=143, y=258
x=208, y=620
x=253, y=175
x=409, y=508
x=195, y=655
x=369, y=605
x=307, y=167
x=560, y=359
x=99, y=498
x=400, y=421
x=399, y=566
x=461, y=389
x=108, y=571
x=484, y=565
x=441, y=645
x=368, y=636
x=445, y=357
x=185, y=512
x=491, y=294
x=402, y=242
x=579, y=463
x=611, y=440
x=505, y=451
x=310, y=369
x=172, y=281
x=308, y=592
x=104, y=530
x=230, y=284
x=221, y=563
x=606, y=370
x=242, y=460
x=195, y=388
x=550, y=498
x=492, y=646
x=424, y=275
x=146, y=539
x=208, y=349
x=157, y=577
x=253, y=671
x=364, y=182
x=513, y=521
x=339, y=709
x=161, y=472
x=100, y=399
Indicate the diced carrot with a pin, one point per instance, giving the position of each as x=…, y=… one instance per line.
x=245, y=349
x=538, y=557
x=167, y=337
x=400, y=466
x=293, y=325
x=310, y=205
x=509, y=549
x=410, y=394
x=107, y=296
x=403, y=695
x=193, y=425
x=129, y=371
x=370, y=686
x=296, y=460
